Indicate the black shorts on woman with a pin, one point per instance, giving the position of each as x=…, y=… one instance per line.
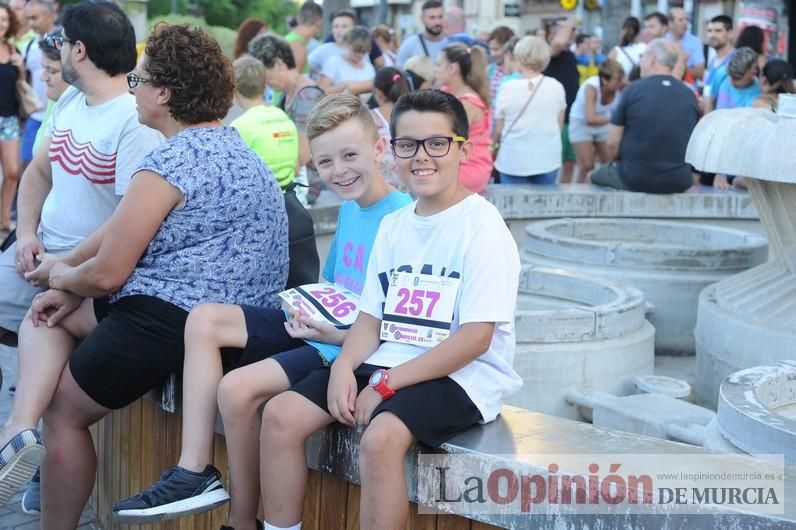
x=139, y=343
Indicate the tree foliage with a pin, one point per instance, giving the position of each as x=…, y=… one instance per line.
x=230, y=13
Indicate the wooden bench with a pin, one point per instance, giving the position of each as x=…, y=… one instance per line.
x=138, y=442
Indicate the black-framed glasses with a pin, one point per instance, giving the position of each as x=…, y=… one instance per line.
x=133, y=80
x=56, y=40
x=434, y=146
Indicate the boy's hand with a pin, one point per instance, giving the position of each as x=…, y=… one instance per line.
x=367, y=402
x=301, y=327
x=342, y=393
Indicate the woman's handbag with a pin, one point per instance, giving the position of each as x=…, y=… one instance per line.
x=27, y=98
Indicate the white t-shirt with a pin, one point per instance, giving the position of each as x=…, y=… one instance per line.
x=533, y=145
x=339, y=70
x=630, y=55
x=469, y=240
x=318, y=57
x=94, y=150
x=578, y=110
x=35, y=66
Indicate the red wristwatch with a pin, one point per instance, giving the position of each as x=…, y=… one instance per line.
x=378, y=382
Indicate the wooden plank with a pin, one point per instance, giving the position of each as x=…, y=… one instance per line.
x=170, y=453
x=120, y=430
x=134, y=434
x=420, y=521
x=219, y=515
x=311, y=513
x=352, y=513
x=334, y=498
x=452, y=522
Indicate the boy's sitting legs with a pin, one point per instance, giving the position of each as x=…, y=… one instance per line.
x=240, y=395
x=194, y=485
x=288, y=419
x=381, y=471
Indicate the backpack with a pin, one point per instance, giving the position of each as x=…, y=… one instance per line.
x=305, y=265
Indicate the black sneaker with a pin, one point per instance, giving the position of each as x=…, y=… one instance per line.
x=179, y=492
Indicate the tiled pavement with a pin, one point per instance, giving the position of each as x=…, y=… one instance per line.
x=11, y=516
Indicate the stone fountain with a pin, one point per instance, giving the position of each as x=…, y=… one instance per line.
x=750, y=319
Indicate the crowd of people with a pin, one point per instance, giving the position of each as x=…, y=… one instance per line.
x=157, y=223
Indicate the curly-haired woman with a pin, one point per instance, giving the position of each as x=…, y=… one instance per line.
x=203, y=220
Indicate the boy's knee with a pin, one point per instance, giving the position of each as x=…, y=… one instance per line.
x=233, y=393
x=278, y=417
x=202, y=321
x=383, y=441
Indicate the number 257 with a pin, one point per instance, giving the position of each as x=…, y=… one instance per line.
x=413, y=302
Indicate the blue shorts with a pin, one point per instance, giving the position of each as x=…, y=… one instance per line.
x=268, y=338
x=28, y=139
x=542, y=178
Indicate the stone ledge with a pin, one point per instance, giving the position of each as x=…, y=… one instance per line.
x=518, y=433
x=586, y=200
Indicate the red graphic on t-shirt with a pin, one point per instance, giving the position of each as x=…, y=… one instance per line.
x=82, y=159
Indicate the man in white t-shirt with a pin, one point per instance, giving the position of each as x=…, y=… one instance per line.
x=431, y=41
x=93, y=145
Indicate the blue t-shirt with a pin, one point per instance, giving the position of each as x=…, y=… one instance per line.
x=348, y=256
x=228, y=243
x=716, y=74
x=730, y=97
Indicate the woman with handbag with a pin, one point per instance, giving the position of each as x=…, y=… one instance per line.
x=11, y=70
x=529, y=116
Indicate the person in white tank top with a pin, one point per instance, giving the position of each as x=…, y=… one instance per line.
x=590, y=116
x=629, y=51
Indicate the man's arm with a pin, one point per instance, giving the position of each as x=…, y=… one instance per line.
x=563, y=37
x=36, y=184
x=299, y=54
x=614, y=139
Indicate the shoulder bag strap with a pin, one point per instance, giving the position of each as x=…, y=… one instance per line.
x=527, y=102
x=423, y=44
x=629, y=58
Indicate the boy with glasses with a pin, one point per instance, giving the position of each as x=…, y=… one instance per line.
x=431, y=351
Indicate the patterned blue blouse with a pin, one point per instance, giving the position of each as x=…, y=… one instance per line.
x=229, y=242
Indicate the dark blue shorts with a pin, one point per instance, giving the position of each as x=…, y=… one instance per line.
x=269, y=339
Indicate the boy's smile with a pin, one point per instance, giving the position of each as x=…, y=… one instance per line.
x=346, y=159
x=429, y=176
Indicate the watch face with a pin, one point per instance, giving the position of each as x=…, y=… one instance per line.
x=376, y=377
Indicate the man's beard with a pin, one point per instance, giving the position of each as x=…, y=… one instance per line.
x=69, y=75
x=434, y=30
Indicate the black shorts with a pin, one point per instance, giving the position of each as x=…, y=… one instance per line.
x=434, y=411
x=268, y=338
x=136, y=346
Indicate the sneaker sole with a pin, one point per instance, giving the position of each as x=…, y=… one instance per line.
x=29, y=511
x=19, y=471
x=201, y=503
